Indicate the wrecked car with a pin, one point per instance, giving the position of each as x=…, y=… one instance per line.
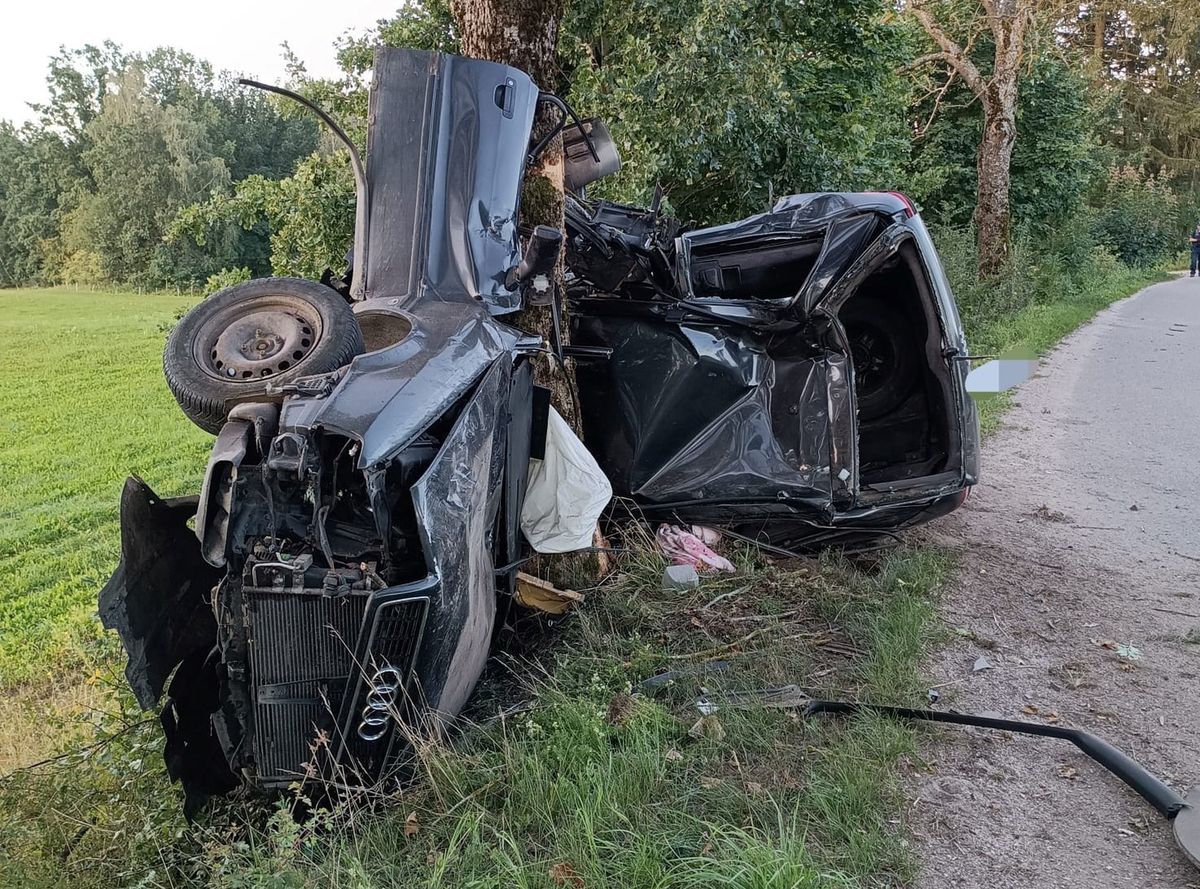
x=796, y=377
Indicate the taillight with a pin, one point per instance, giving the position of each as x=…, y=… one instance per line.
x=909, y=210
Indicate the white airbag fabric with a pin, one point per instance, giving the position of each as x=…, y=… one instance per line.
x=566, y=493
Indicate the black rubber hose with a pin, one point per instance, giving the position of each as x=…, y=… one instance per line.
x=1165, y=800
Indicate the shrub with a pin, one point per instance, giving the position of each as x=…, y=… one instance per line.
x=1136, y=217
x=226, y=278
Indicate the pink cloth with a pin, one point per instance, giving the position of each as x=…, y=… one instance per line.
x=685, y=548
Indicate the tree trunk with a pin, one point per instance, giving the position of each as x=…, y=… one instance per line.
x=524, y=34
x=992, y=195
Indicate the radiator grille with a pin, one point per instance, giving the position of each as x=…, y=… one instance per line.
x=301, y=655
x=398, y=629
x=302, y=658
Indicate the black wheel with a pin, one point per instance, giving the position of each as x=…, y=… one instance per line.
x=885, y=355
x=226, y=350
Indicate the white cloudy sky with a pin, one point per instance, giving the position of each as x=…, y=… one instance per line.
x=241, y=35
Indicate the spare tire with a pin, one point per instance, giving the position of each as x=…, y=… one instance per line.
x=885, y=352
x=227, y=349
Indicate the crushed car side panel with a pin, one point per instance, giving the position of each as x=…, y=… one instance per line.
x=158, y=598
x=695, y=411
x=797, y=366
x=457, y=502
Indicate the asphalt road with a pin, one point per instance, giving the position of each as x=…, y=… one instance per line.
x=1083, y=535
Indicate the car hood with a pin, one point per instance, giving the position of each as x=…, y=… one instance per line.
x=386, y=398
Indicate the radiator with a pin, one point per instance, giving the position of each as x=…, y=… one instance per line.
x=305, y=650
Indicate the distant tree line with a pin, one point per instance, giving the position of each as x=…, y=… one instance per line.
x=90, y=189
x=154, y=171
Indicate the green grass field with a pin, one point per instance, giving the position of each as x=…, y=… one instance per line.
x=82, y=405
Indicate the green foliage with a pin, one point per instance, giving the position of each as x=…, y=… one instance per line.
x=1055, y=159
x=35, y=174
x=310, y=215
x=146, y=160
x=76, y=82
x=107, y=803
x=1136, y=218
x=226, y=278
x=124, y=141
x=427, y=25
x=1146, y=55
x=728, y=104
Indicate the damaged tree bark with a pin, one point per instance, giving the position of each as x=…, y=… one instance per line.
x=524, y=34
x=1008, y=21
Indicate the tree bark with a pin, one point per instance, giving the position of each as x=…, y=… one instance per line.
x=992, y=193
x=524, y=34
x=997, y=94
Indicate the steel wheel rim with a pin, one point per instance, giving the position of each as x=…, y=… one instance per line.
x=257, y=338
x=871, y=368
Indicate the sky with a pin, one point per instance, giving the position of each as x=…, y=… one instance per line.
x=240, y=35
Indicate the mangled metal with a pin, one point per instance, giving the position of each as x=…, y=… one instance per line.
x=358, y=534
x=755, y=413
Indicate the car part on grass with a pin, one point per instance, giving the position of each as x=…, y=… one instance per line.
x=541, y=595
x=244, y=342
x=660, y=682
x=1183, y=813
x=358, y=534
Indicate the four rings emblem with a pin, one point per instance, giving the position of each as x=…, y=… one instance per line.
x=383, y=690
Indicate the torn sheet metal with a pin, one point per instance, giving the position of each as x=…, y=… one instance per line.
x=386, y=398
x=730, y=391
x=456, y=502
x=683, y=413
x=158, y=598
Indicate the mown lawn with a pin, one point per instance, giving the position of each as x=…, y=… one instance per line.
x=82, y=405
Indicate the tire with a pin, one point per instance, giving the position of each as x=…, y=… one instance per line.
x=226, y=350
x=885, y=356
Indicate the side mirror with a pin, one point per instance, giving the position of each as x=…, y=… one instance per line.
x=541, y=253
x=580, y=167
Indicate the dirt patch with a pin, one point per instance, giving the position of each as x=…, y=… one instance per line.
x=1084, y=607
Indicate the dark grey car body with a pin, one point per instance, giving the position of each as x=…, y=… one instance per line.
x=353, y=544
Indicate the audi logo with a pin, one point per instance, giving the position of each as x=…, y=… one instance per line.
x=382, y=692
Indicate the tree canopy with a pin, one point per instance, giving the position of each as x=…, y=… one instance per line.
x=154, y=170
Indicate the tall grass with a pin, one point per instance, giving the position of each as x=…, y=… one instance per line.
x=1054, y=282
